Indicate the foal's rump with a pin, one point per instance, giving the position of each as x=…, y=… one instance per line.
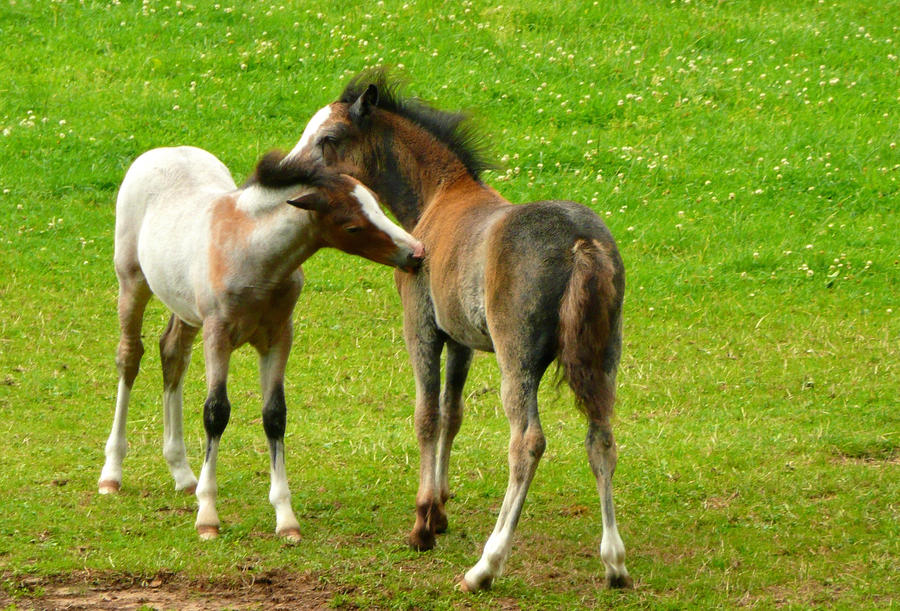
x=554, y=281
x=167, y=174
x=169, y=178
x=162, y=217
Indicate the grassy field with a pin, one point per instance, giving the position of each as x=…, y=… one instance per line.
x=744, y=155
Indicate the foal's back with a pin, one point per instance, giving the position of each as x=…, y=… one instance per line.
x=164, y=177
x=487, y=260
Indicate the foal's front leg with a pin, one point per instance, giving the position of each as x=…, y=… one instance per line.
x=217, y=348
x=424, y=344
x=272, y=363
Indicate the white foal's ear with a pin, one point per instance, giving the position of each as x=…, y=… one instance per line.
x=364, y=103
x=314, y=202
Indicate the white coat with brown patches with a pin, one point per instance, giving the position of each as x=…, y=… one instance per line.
x=227, y=260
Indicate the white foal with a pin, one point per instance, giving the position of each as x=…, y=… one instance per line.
x=227, y=260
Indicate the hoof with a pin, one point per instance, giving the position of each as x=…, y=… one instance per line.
x=290, y=535
x=208, y=533
x=189, y=490
x=465, y=586
x=440, y=523
x=421, y=541
x=109, y=486
x=619, y=582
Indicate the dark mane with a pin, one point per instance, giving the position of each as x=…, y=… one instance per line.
x=276, y=171
x=450, y=128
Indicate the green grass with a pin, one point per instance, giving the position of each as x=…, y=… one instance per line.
x=743, y=154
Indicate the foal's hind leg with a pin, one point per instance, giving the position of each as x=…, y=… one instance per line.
x=601, y=449
x=526, y=446
x=175, y=353
x=272, y=363
x=459, y=358
x=602, y=455
x=133, y=297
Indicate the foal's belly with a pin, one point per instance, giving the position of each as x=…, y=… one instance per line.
x=458, y=298
x=464, y=325
x=170, y=274
x=176, y=295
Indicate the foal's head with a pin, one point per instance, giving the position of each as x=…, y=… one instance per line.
x=392, y=142
x=345, y=212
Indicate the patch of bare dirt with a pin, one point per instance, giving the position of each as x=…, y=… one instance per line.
x=271, y=590
x=720, y=502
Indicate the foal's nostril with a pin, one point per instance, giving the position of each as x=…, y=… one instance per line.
x=414, y=262
x=415, y=258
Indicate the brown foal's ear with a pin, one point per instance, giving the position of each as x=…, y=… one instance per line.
x=314, y=202
x=364, y=103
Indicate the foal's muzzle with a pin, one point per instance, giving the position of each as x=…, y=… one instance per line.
x=414, y=259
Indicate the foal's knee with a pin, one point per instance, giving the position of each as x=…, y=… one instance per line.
x=535, y=441
x=216, y=412
x=275, y=414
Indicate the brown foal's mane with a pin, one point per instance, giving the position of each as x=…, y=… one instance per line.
x=453, y=129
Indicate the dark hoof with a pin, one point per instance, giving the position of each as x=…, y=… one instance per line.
x=421, y=541
x=619, y=582
x=440, y=523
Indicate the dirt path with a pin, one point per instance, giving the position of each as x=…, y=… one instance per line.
x=274, y=590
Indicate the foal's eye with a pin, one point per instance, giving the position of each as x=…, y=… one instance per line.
x=327, y=141
x=328, y=147
x=352, y=228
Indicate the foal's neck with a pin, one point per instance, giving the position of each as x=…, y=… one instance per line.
x=284, y=237
x=416, y=179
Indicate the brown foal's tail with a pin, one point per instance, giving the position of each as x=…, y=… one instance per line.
x=589, y=335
